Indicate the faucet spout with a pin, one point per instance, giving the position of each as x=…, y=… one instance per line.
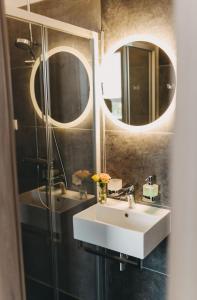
x=130, y=200
x=62, y=187
x=126, y=194
x=130, y=196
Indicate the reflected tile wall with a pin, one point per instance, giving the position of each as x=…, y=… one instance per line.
x=75, y=145
x=83, y=13
x=76, y=149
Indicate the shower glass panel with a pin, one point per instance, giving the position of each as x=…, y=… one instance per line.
x=69, y=60
x=52, y=86
x=32, y=161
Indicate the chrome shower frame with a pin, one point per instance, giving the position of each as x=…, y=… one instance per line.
x=49, y=23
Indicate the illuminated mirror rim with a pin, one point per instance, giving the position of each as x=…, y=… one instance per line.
x=83, y=60
x=170, y=110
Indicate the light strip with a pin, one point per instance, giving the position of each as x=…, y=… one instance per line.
x=97, y=106
x=88, y=108
x=169, y=112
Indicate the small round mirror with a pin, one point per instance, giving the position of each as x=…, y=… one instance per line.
x=69, y=86
x=139, y=83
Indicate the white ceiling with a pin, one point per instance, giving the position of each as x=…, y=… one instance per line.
x=19, y=3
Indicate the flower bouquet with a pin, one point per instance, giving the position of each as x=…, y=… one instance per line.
x=102, y=179
x=80, y=179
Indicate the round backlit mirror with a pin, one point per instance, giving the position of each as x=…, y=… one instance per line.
x=69, y=86
x=139, y=83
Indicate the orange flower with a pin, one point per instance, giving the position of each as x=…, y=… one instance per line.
x=101, y=178
x=104, y=177
x=82, y=174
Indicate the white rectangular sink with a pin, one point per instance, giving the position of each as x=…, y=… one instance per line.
x=34, y=206
x=135, y=232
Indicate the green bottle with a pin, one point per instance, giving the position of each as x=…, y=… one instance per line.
x=150, y=189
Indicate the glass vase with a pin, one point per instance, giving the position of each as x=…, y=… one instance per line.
x=83, y=192
x=103, y=193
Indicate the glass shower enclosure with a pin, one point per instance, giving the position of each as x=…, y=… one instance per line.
x=57, y=146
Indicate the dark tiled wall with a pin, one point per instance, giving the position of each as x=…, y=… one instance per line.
x=76, y=144
x=23, y=108
x=133, y=156
x=134, y=284
x=76, y=270
x=148, y=283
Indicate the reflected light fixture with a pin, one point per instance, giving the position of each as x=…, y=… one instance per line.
x=86, y=111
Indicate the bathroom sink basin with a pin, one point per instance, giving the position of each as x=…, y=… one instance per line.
x=135, y=232
x=59, y=202
x=34, y=206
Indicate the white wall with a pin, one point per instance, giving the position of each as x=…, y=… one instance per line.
x=184, y=181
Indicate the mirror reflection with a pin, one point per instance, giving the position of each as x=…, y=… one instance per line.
x=69, y=87
x=139, y=83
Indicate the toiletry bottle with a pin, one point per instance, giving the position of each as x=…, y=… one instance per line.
x=150, y=189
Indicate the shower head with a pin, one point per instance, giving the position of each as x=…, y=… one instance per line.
x=27, y=45
x=23, y=43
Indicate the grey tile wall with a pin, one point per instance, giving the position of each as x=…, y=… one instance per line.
x=133, y=157
x=134, y=284
x=122, y=18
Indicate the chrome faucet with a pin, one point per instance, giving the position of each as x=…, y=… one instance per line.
x=62, y=186
x=130, y=196
x=126, y=194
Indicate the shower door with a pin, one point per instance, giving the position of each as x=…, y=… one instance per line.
x=69, y=62
x=32, y=159
x=52, y=82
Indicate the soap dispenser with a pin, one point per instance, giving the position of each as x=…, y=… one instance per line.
x=150, y=190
